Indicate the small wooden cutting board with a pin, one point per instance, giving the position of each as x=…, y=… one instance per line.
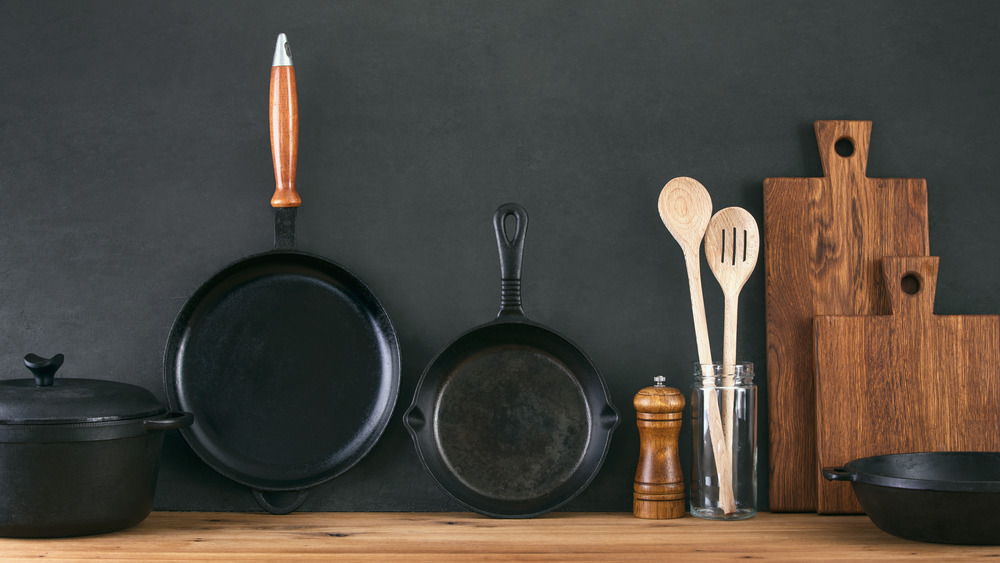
x=911, y=381
x=823, y=239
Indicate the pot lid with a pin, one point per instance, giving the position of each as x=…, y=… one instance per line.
x=46, y=399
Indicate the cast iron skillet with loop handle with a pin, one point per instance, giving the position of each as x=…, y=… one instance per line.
x=511, y=419
x=288, y=361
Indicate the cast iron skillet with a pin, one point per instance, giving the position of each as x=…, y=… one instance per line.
x=511, y=419
x=940, y=497
x=288, y=361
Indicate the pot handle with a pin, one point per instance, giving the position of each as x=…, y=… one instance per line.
x=172, y=421
x=286, y=509
x=838, y=474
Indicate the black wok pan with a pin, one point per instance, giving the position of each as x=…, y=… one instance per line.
x=289, y=362
x=940, y=497
x=511, y=419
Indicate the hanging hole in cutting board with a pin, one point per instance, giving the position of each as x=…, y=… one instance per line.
x=844, y=147
x=910, y=284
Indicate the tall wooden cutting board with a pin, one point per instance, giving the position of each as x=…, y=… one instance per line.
x=823, y=238
x=911, y=381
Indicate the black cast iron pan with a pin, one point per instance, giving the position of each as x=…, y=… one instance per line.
x=289, y=362
x=940, y=497
x=511, y=419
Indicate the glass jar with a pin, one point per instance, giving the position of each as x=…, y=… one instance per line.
x=724, y=429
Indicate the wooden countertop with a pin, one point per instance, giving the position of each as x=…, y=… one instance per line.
x=562, y=536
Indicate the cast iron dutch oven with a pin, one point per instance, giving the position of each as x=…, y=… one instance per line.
x=77, y=456
x=940, y=497
x=511, y=419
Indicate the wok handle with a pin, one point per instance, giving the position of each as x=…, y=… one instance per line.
x=838, y=474
x=284, y=126
x=511, y=248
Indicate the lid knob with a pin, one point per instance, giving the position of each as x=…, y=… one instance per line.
x=44, y=369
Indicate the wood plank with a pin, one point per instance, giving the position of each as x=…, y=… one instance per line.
x=911, y=381
x=560, y=536
x=823, y=238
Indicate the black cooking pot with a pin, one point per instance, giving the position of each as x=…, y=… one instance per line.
x=77, y=456
x=940, y=497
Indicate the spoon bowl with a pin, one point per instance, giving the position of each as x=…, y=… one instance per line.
x=732, y=244
x=685, y=209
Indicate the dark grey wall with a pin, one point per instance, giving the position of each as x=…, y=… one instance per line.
x=134, y=163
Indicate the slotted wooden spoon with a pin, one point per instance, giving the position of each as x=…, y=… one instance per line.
x=732, y=243
x=685, y=209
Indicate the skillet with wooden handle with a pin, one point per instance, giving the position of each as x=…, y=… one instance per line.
x=288, y=361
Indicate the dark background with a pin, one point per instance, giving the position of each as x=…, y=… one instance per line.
x=135, y=162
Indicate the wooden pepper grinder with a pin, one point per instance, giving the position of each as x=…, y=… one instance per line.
x=658, y=492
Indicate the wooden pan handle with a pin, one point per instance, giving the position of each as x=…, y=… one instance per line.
x=284, y=126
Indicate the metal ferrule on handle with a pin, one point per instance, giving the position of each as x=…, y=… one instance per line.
x=284, y=126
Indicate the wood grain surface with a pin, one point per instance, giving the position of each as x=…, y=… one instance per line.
x=658, y=490
x=559, y=536
x=284, y=114
x=823, y=238
x=907, y=382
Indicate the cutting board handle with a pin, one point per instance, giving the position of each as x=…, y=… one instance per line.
x=843, y=148
x=911, y=282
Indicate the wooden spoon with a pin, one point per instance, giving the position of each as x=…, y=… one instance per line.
x=732, y=243
x=685, y=209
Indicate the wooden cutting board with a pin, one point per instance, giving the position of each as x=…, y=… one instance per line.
x=907, y=382
x=823, y=239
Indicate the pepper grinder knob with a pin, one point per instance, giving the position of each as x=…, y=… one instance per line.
x=658, y=492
